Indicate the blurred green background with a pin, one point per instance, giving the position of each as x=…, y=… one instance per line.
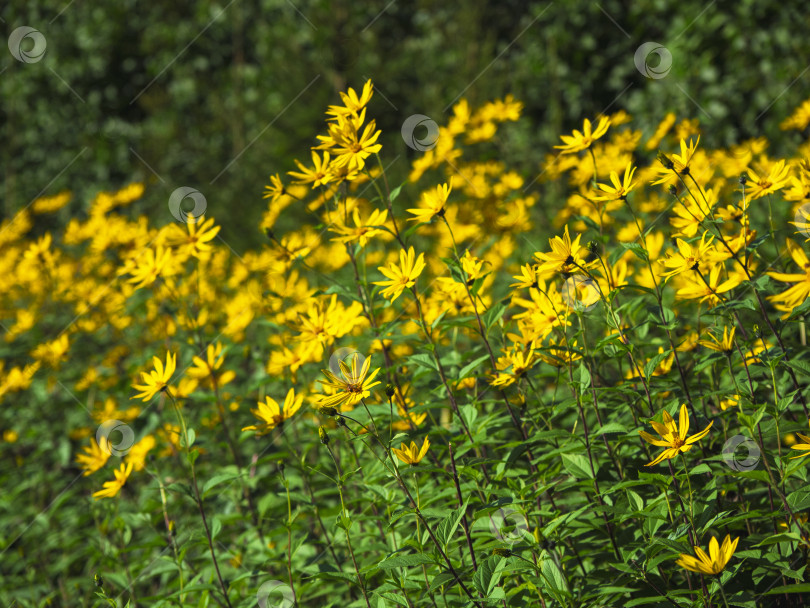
x=218, y=95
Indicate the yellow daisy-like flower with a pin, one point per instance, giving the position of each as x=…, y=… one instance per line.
x=111, y=488
x=804, y=446
x=776, y=179
x=402, y=276
x=432, y=204
x=688, y=257
x=349, y=386
x=272, y=415
x=151, y=265
x=724, y=344
x=196, y=239
x=412, y=454
x=319, y=175
x=798, y=293
x=582, y=140
x=96, y=456
x=565, y=255
x=715, y=561
x=731, y=401
x=679, y=163
x=527, y=277
x=620, y=188
x=137, y=454
x=673, y=436
x=158, y=379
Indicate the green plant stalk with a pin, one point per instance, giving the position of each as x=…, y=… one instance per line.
x=198, y=498
x=339, y=485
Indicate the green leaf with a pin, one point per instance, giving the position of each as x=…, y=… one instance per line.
x=395, y=192
x=653, y=363
x=611, y=427
x=448, y=526
x=800, y=366
x=488, y=574
x=216, y=480
x=216, y=526
x=442, y=578
x=577, y=465
x=494, y=314
x=553, y=576
x=423, y=360
x=584, y=377
x=406, y=561
x=799, y=500
x=798, y=588
x=465, y=371
x=191, y=437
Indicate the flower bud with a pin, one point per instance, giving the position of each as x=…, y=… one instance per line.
x=328, y=411
x=389, y=390
x=323, y=435
x=743, y=179
x=664, y=160
x=672, y=190
x=502, y=552
x=98, y=580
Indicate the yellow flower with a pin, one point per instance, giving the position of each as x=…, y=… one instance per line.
x=96, y=456
x=137, y=454
x=350, y=387
x=804, y=446
x=673, y=436
x=111, y=488
x=362, y=230
x=319, y=175
x=715, y=561
x=195, y=240
x=402, y=276
x=352, y=103
x=777, y=178
x=565, y=256
x=412, y=454
x=52, y=353
x=527, y=277
x=795, y=295
x=158, y=379
x=272, y=415
x=620, y=188
x=679, y=162
x=432, y=203
x=514, y=365
x=723, y=345
x=151, y=265
x=688, y=257
x=582, y=141
x=731, y=401
x=205, y=369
